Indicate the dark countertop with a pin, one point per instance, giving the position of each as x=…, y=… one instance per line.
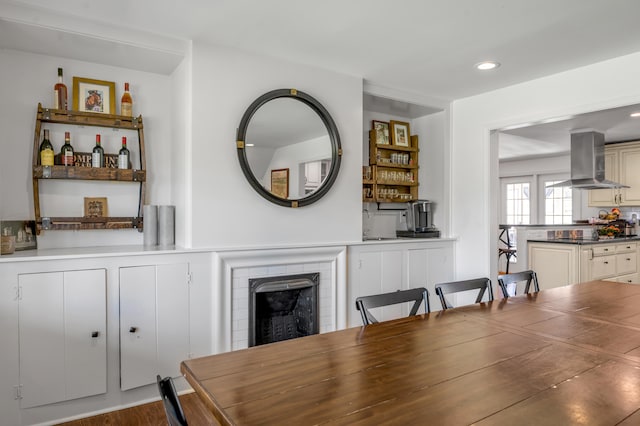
x=585, y=241
x=566, y=225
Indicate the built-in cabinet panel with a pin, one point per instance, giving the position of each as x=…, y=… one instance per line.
x=137, y=326
x=428, y=267
x=85, y=333
x=556, y=265
x=62, y=328
x=612, y=261
x=154, y=322
x=629, y=161
x=622, y=164
x=382, y=268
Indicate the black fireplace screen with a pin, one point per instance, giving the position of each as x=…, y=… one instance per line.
x=283, y=307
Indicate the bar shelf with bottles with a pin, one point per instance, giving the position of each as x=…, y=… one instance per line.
x=83, y=170
x=392, y=174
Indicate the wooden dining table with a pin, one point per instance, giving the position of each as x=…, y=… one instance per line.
x=563, y=356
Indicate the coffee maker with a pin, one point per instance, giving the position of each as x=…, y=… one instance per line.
x=419, y=220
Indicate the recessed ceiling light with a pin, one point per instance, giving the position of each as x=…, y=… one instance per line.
x=635, y=114
x=487, y=65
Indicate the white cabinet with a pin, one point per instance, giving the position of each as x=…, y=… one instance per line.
x=556, y=265
x=622, y=165
x=613, y=262
x=154, y=322
x=62, y=329
x=559, y=264
x=385, y=267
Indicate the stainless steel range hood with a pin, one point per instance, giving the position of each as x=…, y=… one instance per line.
x=587, y=163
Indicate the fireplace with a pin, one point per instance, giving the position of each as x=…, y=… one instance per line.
x=283, y=307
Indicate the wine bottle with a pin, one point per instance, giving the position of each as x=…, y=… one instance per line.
x=46, y=150
x=123, y=155
x=97, y=156
x=66, y=153
x=126, y=103
x=60, y=93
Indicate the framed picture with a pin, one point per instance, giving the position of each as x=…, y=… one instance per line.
x=95, y=207
x=24, y=232
x=400, y=133
x=381, y=131
x=280, y=183
x=94, y=95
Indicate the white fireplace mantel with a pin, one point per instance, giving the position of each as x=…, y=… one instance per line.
x=225, y=263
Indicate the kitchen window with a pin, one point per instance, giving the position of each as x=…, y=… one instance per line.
x=517, y=201
x=557, y=204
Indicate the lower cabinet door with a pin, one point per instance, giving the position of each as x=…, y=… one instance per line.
x=154, y=322
x=137, y=326
x=62, y=333
x=626, y=263
x=629, y=279
x=603, y=267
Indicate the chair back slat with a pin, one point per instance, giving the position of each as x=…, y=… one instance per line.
x=528, y=277
x=415, y=295
x=483, y=285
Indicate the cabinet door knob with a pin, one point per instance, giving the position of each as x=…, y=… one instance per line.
x=95, y=334
x=133, y=329
x=606, y=263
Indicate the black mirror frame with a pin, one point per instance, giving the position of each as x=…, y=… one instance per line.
x=336, y=148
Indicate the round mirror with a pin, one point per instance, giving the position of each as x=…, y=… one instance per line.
x=289, y=147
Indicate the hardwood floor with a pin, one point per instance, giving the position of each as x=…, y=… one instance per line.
x=151, y=414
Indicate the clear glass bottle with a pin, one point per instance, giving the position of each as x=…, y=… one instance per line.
x=97, y=156
x=66, y=153
x=60, y=93
x=46, y=150
x=126, y=103
x=123, y=155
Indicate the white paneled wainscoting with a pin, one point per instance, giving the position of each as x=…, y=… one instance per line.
x=234, y=269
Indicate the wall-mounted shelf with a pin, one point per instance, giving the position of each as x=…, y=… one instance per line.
x=394, y=172
x=79, y=118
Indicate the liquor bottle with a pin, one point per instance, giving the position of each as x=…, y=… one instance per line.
x=97, y=156
x=60, y=93
x=126, y=102
x=123, y=155
x=67, y=151
x=46, y=150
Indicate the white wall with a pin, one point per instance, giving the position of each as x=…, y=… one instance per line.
x=181, y=148
x=28, y=79
x=226, y=211
x=474, y=152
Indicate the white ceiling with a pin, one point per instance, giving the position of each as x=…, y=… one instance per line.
x=427, y=47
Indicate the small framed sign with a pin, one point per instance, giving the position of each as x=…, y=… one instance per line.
x=95, y=207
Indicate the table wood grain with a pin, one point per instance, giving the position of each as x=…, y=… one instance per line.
x=569, y=355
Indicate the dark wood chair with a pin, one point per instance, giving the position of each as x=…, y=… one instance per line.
x=172, y=407
x=510, y=282
x=483, y=285
x=416, y=295
x=509, y=251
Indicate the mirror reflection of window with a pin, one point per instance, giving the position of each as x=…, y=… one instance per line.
x=315, y=173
